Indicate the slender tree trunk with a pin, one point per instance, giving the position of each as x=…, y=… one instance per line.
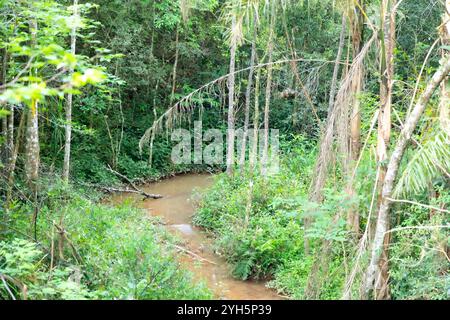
x=231, y=78
x=254, y=151
x=248, y=94
x=357, y=25
x=12, y=163
x=10, y=134
x=391, y=173
x=175, y=66
x=355, y=120
x=4, y=135
x=32, y=144
x=444, y=106
x=10, y=137
x=384, y=123
x=69, y=101
x=265, y=153
x=336, y=65
x=4, y=150
x=386, y=70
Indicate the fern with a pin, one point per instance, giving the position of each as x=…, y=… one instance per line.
x=429, y=163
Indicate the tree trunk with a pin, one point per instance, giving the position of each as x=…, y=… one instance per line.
x=248, y=94
x=230, y=131
x=336, y=65
x=355, y=121
x=32, y=141
x=265, y=153
x=254, y=151
x=175, y=66
x=4, y=150
x=387, y=71
x=10, y=134
x=384, y=121
x=13, y=160
x=444, y=106
x=68, y=126
x=391, y=173
x=357, y=25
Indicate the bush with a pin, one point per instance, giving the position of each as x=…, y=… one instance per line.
x=26, y=275
x=419, y=257
x=120, y=252
x=269, y=242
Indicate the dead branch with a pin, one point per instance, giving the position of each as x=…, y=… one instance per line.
x=193, y=254
x=64, y=236
x=136, y=189
x=23, y=288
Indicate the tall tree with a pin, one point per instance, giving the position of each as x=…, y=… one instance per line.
x=69, y=101
x=387, y=29
x=249, y=88
x=231, y=97
x=32, y=145
x=175, y=64
x=357, y=32
x=383, y=218
x=4, y=127
x=444, y=107
x=265, y=153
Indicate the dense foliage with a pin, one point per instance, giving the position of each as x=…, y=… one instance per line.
x=105, y=252
x=90, y=92
x=269, y=242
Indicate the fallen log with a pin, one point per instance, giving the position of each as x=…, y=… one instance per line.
x=193, y=254
x=136, y=189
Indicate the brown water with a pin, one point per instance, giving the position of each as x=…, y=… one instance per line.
x=176, y=208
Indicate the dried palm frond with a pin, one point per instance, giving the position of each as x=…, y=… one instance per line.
x=339, y=111
x=430, y=162
x=183, y=108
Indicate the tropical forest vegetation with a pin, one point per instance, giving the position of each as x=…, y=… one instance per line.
x=292, y=149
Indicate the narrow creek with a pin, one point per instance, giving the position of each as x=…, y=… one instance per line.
x=177, y=208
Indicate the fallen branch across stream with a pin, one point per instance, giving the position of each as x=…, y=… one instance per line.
x=135, y=188
x=192, y=254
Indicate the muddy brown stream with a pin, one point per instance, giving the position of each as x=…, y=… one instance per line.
x=177, y=208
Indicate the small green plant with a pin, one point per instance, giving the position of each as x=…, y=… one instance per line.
x=111, y=252
x=25, y=274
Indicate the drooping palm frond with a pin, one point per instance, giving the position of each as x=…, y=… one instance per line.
x=430, y=162
x=239, y=16
x=328, y=135
x=182, y=109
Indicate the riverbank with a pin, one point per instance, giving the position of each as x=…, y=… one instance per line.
x=196, y=249
x=88, y=250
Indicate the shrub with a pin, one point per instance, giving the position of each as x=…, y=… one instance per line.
x=119, y=252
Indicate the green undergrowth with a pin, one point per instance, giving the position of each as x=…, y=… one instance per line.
x=111, y=252
x=266, y=240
